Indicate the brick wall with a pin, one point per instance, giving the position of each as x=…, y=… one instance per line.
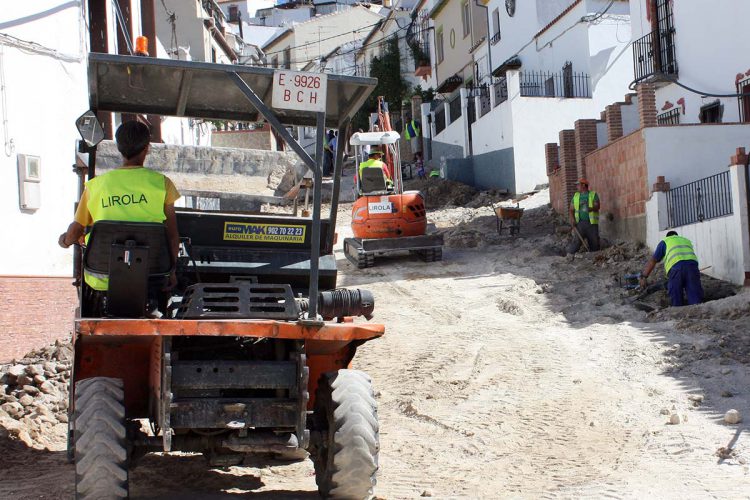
x=557, y=191
x=36, y=312
x=585, y=142
x=618, y=172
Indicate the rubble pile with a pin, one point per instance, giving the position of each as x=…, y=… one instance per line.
x=34, y=396
x=442, y=193
x=622, y=252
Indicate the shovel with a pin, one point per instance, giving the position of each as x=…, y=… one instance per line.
x=585, y=245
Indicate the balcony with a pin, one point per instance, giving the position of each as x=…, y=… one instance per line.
x=565, y=84
x=495, y=38
x=500, y=87
x=654, y=55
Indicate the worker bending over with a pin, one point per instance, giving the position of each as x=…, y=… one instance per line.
x=681, y=268
x=584, y=217
x=129, y=193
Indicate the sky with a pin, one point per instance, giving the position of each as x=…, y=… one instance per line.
x=253, y=5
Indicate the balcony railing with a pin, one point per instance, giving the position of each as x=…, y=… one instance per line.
x=455, y=108
x=655, y=54
x=701, y=200
x=743, y=99
x=671, y=117
x=500, y=87
x=548, y=84
x=495, y=38
x=440, y=118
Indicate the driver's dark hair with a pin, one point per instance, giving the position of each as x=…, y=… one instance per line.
x=672, y=233
x=132, y=137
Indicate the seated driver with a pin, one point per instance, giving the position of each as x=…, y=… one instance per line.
x=130, y=193
x=374, y=161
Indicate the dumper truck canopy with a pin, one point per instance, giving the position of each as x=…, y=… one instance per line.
x=132, y=84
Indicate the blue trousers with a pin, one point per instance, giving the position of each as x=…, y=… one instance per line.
x=685, y=277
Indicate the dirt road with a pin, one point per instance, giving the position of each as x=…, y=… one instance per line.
x=508, y=371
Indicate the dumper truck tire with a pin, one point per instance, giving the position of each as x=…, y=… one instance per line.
x=100, y=439
x=346, y=425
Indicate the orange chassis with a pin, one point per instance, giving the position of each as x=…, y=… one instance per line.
x=131, y=349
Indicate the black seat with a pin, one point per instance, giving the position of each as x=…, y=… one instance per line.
x=131, y=254
x=373, y=180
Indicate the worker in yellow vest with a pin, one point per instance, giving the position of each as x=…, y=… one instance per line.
x=584, y=216
x=374, y=161
x=128, y=193
x=413, y=134
x=681, y=268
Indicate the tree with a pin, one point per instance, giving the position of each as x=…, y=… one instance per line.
x=391, y=84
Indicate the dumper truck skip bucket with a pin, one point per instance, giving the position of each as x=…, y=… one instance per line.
x=253, y=351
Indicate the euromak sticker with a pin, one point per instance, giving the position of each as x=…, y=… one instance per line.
x=273, y=233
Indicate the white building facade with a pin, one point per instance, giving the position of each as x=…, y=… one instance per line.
x=43, y=87
x=552, y=62
x=701, y=48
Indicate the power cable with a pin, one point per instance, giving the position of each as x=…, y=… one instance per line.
x=372, y=44
x=172, y=19
x=670, y=79
x=324, y=39
x=123, y=26
x=9, y=144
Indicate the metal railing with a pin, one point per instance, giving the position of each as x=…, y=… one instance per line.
x=700, y=200
x=654, y=53
x=500, y=88
x=495, y=38
x=440, y=118
x=671, y=117
x=485, y=103
x=743, y=88
x=549, y=84
x=454, y=107
x=471, y=111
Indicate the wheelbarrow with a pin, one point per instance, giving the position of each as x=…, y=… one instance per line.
x=508, y=218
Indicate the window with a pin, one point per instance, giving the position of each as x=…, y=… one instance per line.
x=495, y=27
x=275, y=62
x=234, y=14
x=466, y=17
x=711, y=113
x=440, y=45
x=288, y=58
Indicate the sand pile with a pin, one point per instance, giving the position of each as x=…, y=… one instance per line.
x=34, y=396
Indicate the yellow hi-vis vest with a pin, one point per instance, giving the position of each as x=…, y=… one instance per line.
x=126, y=194
x=372, y=163
x=411, y=130
x=593, y=216
x=678, y=249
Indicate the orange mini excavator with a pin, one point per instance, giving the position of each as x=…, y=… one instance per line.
x=385, y=218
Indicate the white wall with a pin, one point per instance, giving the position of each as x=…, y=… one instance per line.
x=711, y=49
x=684, y=154
x=494, y=130
x=44, y=93
x=720, y=243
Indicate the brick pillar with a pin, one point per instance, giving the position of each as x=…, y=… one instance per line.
x=568, y=163
x=586, y=142
x=551, y=154
x=614, y=122
x=646, y=104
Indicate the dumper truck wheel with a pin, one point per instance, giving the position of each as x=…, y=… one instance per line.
x=345, y=435
x=101, y=454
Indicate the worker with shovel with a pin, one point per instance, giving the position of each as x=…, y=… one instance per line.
x=681, y=268
x=584, y=218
